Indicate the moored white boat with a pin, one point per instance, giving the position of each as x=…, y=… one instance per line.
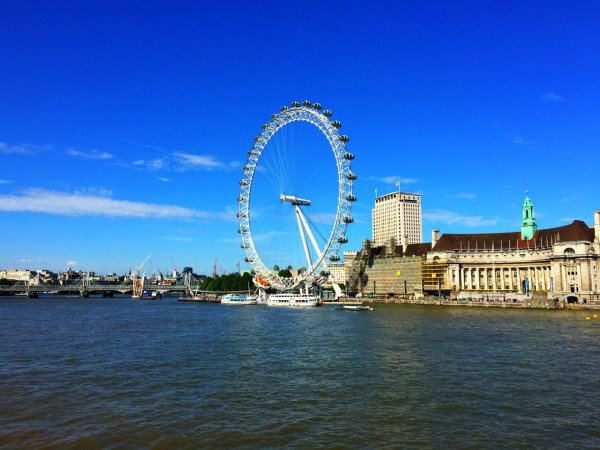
x=293, y=300
x=237, y=299
x=354, y=308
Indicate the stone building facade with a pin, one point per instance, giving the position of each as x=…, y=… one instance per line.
x=385, y=270
x=552, y=262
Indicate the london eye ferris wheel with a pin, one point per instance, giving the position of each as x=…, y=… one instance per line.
x=296, y=197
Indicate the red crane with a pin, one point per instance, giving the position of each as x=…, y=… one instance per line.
x=217, y=263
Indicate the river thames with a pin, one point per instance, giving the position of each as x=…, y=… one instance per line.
x=122, y=373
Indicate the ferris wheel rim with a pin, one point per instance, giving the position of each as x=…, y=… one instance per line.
x=312, y=114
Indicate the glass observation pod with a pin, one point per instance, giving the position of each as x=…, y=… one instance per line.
x=349, y=156
x=284, y=108
x=247, y=260
x=245, y=183
x=306, y=103
x=240, y=215
x=351, y=176
x=348, y=219
x=336, y=123
x=273, y=116
x=264, y=126
x=334, y=258
x=317, y=106
x=252, y=152
x=351, y=197
x=344, y=138
x=243, y=230
x=244, y=245
x=241, y=199
x=295, y=104
x=343, y=240
x=327, y=113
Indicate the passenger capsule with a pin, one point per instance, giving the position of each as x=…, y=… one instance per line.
x=344, y=138
x=241, y=199
x=351, y=197
x=284, y=108
x=264, y=126
x=244, y=245
x=334, y=258
x=247, y=260
x=351, y=176
x=240, y=215
x=252, y=152
x=295, y=104
x=306, y=103
x=257, y=138
x=348, y=219
x=243, y=183
x=273, y=116
x=343, y=240
x=336, y=123
x=325, y=273
x=349, y=156
x=327, y=113
x=317, y=106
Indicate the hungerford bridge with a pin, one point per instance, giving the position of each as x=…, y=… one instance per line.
x=84, y=286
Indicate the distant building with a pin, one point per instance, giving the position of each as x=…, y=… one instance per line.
x=560, y=260
x=546, y=263
x=337, y=272
x=397, y=216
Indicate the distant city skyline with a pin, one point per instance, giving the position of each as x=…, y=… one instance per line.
x=124, y=126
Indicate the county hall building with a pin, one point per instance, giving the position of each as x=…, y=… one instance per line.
x=551, y=262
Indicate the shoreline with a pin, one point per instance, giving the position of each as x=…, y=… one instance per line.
x=526, y=304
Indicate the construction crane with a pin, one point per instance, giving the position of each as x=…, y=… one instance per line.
x=137, y=270
x=217, y=263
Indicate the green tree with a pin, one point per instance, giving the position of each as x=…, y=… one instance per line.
x=208, y=281
x=285, y=273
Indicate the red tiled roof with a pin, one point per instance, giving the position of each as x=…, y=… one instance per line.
x=576, y=231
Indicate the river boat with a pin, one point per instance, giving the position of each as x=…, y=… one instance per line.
x=148, y=295
x=237, y=299
x=354, y=308
x=200, y=297
x=294, y=300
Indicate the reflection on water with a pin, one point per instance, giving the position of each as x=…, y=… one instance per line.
x=119, y=372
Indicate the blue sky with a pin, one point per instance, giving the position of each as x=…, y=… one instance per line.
x=124, y=125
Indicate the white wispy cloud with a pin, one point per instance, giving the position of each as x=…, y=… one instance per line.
x=394, y=179
x=22, y=149
x=87, y=204
x=201, y=161
x=519, y=140
x=464, y=196
x=5, y=181
x=182, y=162
x=453, y=218
x=92, y=154
x=550, y=97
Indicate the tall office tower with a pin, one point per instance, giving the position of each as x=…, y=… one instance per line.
x=397, y=215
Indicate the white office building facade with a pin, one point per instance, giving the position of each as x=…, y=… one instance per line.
x=397, y=216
